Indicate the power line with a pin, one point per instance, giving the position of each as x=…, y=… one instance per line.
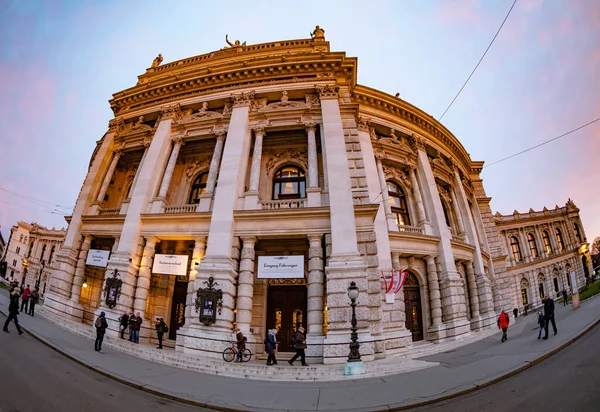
x=479, y=62
x=544, y=143
x=53, y=211
x=35, y=200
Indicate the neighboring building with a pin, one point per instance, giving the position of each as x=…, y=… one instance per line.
x=2, y=246
x=541, y=249
x=268, y=151
x=31, y=244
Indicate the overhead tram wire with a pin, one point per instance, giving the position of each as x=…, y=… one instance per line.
x=54, y=211
x=544, y=143
x=35, y=200
x=479, y=62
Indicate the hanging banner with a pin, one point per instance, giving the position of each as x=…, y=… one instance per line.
x=574, y=281
x=170, y=265
x=280, y=267
x=97, y=257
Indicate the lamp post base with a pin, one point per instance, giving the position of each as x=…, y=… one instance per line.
x=354, y=368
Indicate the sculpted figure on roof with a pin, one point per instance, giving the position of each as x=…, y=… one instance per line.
x=157, y=61
x=318, y=33
x=234, y=45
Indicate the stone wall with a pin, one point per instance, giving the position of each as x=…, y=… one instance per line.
x=358, y=176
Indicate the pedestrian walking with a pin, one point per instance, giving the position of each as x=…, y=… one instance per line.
x=503, y=322
x=515, y=312
x=25, y=298
x=135, y=324
x=123, y=324
x=33, y=300
x=161, y=329
x=270, y=346
x=130, y=325
x=299, y=343
x=541, y=322
x=13, y=311
x=565, y=298
x=549, y=316
x=240, y=343
x=101, y=325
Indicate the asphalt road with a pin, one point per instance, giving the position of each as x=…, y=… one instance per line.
x=35, y=378
x=567, y=381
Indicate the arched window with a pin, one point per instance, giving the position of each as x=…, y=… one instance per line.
x=445, y=209
x=546, y=238
x=516, y=248
x=577, y=232
x=559, y=239
x=398, y=204
x=524, y=287
x=51, y=254
x=289, y=183
x=532, y=245
x=43, y=253
x=198, y=188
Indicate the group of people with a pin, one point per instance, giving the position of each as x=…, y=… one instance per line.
x=27, y=299
x=130, y=322
x=271, y=343
x=545, y=318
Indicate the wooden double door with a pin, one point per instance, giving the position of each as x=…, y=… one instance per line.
x=412, y=305
x=286, y=311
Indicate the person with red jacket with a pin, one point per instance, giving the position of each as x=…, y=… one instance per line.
x=503, y=321
x=25, y=299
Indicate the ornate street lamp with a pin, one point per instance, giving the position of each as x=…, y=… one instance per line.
x=354, y=365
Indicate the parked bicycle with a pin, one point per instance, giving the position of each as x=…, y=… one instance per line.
x=229, y=354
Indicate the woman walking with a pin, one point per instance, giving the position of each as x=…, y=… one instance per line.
x=270, y=346
x=13, y=311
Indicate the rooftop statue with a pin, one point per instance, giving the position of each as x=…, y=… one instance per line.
x=318, y=34
x=236, y=44
x=156, y=62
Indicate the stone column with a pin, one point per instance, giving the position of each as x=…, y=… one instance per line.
x=473, y=296
x=251, y=199
x=461, y=225
x=166, y=181
x=245, y=288
x=418, y=199
x=525, y=254
x=109, y=174
x=385, y=196
x=435, y=301
x=145, y=273
x=324, y=156
x=315, y=285
x=197, y=256
x=146, y=144
x=80, y=271
x=401, y=307
x=313, y=192
x=213, y=172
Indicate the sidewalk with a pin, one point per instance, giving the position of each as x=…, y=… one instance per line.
x=458, y=370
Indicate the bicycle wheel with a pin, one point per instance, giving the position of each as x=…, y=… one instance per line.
x=228, y=355
x=246, y=355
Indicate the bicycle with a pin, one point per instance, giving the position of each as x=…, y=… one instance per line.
x=229, y=354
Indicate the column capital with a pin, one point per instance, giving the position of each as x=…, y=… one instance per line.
x=259, y=131
x=249, y=240
x=178, y=140
x=118, y=150
x=242, y=99
x=328, y=91
x=152, y=240
x=417, y=143
x=310, y=126
x=147, y=141
x=312, y=238
x=170, y=112
x=363, y=124
x=200, y=240
x=220, y=132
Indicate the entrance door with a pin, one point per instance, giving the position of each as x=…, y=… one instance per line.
x=177, y=309
x=412, y=305
x=286, y=311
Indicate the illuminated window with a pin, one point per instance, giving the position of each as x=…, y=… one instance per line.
x=516, y=249
x=546, y=238
x=199, y=188
x=398, y=204
x=524, y=296
x=559, y=239
x=289, y=183
x=532, y=245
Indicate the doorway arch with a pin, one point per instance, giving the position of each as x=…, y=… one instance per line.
x=412, y=307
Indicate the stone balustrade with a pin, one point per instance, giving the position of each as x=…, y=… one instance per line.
x=109, y=212
x=283, y=204
x=415, y=230
x=181, y=209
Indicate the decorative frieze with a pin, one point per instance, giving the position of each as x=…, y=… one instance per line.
x=328, y=91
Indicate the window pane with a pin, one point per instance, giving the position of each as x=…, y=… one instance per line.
x=392, y=188
x=303, y=189
x=276, y=190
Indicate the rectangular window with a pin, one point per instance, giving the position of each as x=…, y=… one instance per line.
x=14, y=262
x=18, y=249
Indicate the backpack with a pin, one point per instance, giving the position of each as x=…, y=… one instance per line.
x=165, y=328
x=98, y=323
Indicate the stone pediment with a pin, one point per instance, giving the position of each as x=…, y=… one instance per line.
x=284, y=104
x=202, y=114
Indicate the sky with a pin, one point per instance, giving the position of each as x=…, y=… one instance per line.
x=61, y=61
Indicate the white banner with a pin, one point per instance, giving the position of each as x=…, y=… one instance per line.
x=280, y=267
x=97, y=257
x=170, y=264
x=574, y=282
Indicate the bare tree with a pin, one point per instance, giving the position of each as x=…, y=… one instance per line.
x=596, y=246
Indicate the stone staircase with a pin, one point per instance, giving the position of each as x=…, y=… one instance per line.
x=402, y=362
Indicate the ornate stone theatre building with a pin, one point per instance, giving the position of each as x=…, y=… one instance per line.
x=224, y=164
x=540, y=249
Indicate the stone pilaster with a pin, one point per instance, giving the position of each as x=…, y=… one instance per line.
x=313, y=192
x=166, y=181
x=145, y=273
x=251, y=199
x=435, y=302
x=80, y=274
x=109, y=174
x=461, y=225
x=245, y=287
x=316, y=285
x=385, y=196
x=213, y=172
x=197, y=256
x=416, y=192
x=473, y=296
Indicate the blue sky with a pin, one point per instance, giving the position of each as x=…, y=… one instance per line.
x=60, y=62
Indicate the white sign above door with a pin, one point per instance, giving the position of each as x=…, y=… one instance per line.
x=170, y=264
x=280, y=267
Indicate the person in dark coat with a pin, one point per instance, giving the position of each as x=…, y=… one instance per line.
x=101, y=325
x=503, y=322
x=549, y=316
x=541, y=322
x=240, y=343
x=33, y=300
x=299, y=346
x=161, y=328
x=123, y=324
x=135, y=324
x=13, y=311
x=270, y=346
x=565, y=298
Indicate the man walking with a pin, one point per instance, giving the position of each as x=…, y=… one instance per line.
x=135, y=323
x=549, y=315
x=503, y=322
x=101, y=325
x=33, y=300
x=13, y=311
x=564, y=294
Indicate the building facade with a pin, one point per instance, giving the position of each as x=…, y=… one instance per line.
x=270, y=151
x=540, y=250
x=31, y=253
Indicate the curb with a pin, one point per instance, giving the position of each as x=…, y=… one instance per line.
x=146, y=389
